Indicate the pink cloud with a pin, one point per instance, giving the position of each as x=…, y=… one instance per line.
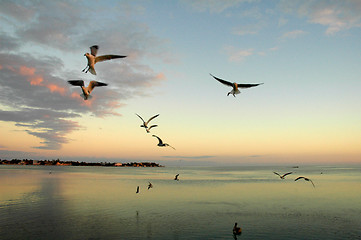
x=56, y=88
x=26, y=71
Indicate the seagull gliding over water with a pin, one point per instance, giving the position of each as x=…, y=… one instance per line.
x=93, y=59
x=236, y=86
x=282, y=176
x=306, y=179
x=86, y=90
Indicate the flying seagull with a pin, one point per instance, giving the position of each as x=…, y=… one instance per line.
x=137, y=190
x=150, y=185
x=282, y=176
x=176, y=177
x=145, y=124
x=236, y=86
x=161, y=144
x=86, y=90
x=93, y=59
x=237, y=230
x=307, y=179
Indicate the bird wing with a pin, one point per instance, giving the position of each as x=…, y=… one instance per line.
x=277, y=174
x=152, y=126
x=150, y=119
x=248, y=85
x=223, y=81
x=140, y=118
x=94, y=84
x=107, y=57
x=160, y=140
x=76, y=82
x=299, y=178
x=312, y=182
x=94, y=50
x=286, y=174
x=171, y=146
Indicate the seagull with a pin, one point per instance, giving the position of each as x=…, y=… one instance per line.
x=150, y=185
x=176, y=177
x=137, y=190
x=282, y=176
x=161, y=144
x=237, y=230
x=93, y=59
x=235, y=86
x=145, y=124
x=86, y=90
x=307, y=179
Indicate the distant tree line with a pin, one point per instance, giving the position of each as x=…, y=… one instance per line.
x=58, y=162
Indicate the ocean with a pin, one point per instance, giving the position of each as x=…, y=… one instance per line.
x=67, y=202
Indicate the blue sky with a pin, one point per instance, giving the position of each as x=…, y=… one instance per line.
x=307, y=54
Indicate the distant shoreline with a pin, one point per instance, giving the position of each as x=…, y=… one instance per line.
x=75, y=163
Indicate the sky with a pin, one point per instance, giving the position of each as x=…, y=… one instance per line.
x=307, y=54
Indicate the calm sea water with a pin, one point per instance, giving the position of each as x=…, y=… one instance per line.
x=49, y=202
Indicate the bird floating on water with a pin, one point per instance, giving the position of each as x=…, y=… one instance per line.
x=93, y=59
x=161, y=144
x=236, y=86
x=137, y=190
x=86, y=90
x=176, y=177
x=237, y=230
x=145, y=123
x=306, y=179
x=282, y=176
x=150, y=185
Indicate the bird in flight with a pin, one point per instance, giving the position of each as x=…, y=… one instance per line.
x=306, y=179
x=161, y=144
x=282, y=176
x=150, y=185
x=93, y=59
x=145, y=124
x=86, y=90
x=137, y=190
x=236, y=86
x=176, y=177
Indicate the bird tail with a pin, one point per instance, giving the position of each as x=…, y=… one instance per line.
x=86, y=97
x=92, y=71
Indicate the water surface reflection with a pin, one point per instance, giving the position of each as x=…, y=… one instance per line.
x=101, y=203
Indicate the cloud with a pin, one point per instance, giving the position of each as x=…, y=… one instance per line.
x=293, y=34
x=37, y=52
x=214, y=6
x=237, y=55
x=8, y=43
x=335, y=15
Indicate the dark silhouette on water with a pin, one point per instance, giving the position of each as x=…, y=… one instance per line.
x=176, y=177
x=282, y=176
x=236, y=86
x=306, y=179
x=150, y=185
x=137, y=190
x=236, y=231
